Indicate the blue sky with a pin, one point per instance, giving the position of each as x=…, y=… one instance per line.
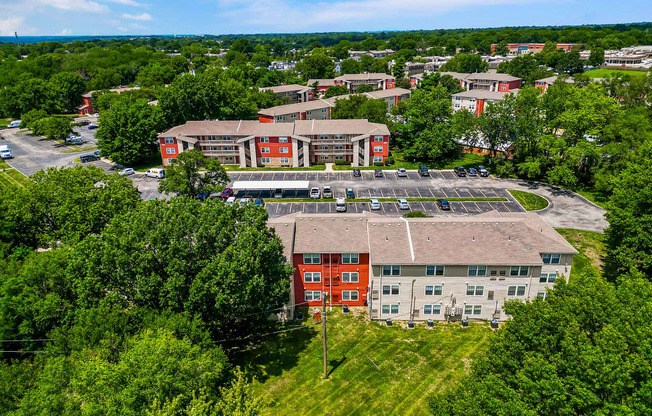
x=144, y=17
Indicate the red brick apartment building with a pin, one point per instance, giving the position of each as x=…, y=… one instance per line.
x=250, y=143
x=296, y=93
x=86, y=106
x=520, y=48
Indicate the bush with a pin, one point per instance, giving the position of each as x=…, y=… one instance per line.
x=389, y=160
x=342, y=163
x=379, y=164
x=416, y=214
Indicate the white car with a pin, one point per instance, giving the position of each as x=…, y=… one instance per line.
x=157, y=173
x=327, y=192
x=374, y=204
x=315, y=193
x=401, y=172
x=126, y=172
x=230, y=200
x=403, y=204
x=340, y=205
x=245, y=200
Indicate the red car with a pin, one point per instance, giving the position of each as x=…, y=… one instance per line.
x=226, y=193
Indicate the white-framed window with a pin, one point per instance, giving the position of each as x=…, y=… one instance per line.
x=226, y=137
x=391, y=289
x=472, y=309
x=378, y=138
x=169, y=140
x=171, y=151
x=475, y=290
x=323, y=147
x=323, y=157
x=551, y=258
x=339, y=157
x=312, y=295
x=311, y=258
x=283, y=149
x=264, y=139
x=264, y=150
x=378, y=158
x=434, y=290
x=350, y=277
x=516, y=291
x=390, y=309
x=285, y=160
x=339, y=136
x=265, y=160
x=378, y=149
x=312, y=277
x=349, y=295
x=431, y=309
x=434, y=270
x=350, y=258
x=518, y=270
x=282, y=139
x=477, y=271
x=391, y=270
x=339, y=147
x=542, y=295
x=548, y=277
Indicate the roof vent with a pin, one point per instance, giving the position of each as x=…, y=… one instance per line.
x=347, y=228
x=463, y=224
x=483, y=224
x=386, y=239
x=428, y=238
x=509, y=238
x=473, y=238
x=314, y=230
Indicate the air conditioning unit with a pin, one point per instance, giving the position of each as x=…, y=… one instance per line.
x=459, y=310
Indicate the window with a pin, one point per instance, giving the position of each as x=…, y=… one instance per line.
x=431, y=309
x=472, y=309
x=338, y=147
x=282, y=139
x=312, y=295
x=350, y=277
x=323, y=157
x=477, y=271
x=390, y=289
x=391, y=270
x=311, y=258
x=541, y=295
x=433, y=290
x=516, y=291
x=378, y=149
x=378, y=138
x=265, y=160
x=283, y=149
x=390, y=309
x=339, y=157
x=350, y=258
x=169, y=140
x=434, y=270
x=314, y=277
x=171, y=151
x=264, y=140
x=378, y=158
x=475, y=290
x=548, y=277
x=551, y=258
x=264, y=150
x=518, y=270
x=285, y=160
x=349, y=295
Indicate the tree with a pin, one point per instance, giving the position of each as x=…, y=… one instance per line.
x=525, y=67
x=350, y=66
x=128, y=131
x=155, y=75
x=335, y=90
x=316, y=65
x=570, y=63
x=501, y=48
x=398, y=70
x=183, y=175
x=360, y=106
x=68, y=204
x=497, y=124
x=53, y=127
x=218, y=261
x=66, y=88
x=362, y=88
x=466, y=63
x=596, y=57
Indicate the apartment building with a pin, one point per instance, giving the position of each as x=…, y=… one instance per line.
x=321, y=85
x=250, y=143
x=86, y=105
x=296, y=93
x=374, y=54
x=545, y=83
x=476, y=101
x=490, y=81
x=522, y=48
x=378, y=81
x=445, y=268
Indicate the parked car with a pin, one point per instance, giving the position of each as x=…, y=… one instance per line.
x=278, y=194
x=423, y=170
x=227, y=192
x=374, y=204
x=203, y=196
x=98, y=153
x=350, y=193
x=483, y=171
x=84, y=122
x=315, y=193
x=245, y=200
x=126, y=172
x=88, y=158
x=378, y=173
x=403, y=204
x=443, y=205
x=327, y=192
x=14, y=124
x=230, y=200
x=356, y=172
x=75, y=140
x=401, y=172
x=460, y=171
x=259, y=203
x=472, y=172
x=93, y=127
x=5, y=152
x=340, y=205
x=157, y=173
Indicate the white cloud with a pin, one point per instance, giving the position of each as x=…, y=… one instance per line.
x=142, y=16
x=65, y=32
x=127, y=3
x=10, y=25
x=76, y=5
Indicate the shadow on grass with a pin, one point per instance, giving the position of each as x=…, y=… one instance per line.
x=334, y=364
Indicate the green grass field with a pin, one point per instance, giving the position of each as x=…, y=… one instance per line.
x=603, y=73
x=591, y=249
x=412, y=365
x=10, y=177
x=529, y=201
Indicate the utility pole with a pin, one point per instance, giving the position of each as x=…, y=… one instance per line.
x=324, y=334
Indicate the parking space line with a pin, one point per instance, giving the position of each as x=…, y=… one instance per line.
x=478, y=206
x=423, y=206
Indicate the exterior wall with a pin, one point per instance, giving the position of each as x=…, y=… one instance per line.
x=265, y=119
x=274, y=145
x=89, y=102
x=331, y=269
x=543, y=85
x=174, y=147
x=373, y=144
x=507, y=86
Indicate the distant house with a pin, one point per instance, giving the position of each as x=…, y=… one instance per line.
x=296, y=93
x=522, y=48
x=86, y=106
x=321, y=84
x=379, y=81
x=476, y=101
x=545, y=83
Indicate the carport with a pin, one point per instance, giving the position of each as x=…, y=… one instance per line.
x=265, y=189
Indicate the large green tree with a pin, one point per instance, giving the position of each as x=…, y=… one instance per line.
x=467, y=63
x=360, y=106
x=316, y=65
x=183, y=176
x=53, y=127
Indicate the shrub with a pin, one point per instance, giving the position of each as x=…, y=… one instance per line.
x=342, y=163
x=416, y=214
x=379, y=164
x=389, y=160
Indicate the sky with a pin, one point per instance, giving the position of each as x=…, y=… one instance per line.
x=169, y=17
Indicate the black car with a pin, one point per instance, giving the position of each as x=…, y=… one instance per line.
x=423, y=170
x=483, y=171
x=460, y=171
x=356, y=172
x=443, y=205
x=349, y=193
x=98, y=153
x=88, y=158
x=92, y=127
x=378, y=173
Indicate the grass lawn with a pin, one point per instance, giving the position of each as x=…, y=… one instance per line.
x=468, y=160
x=529, y=201
x=598, y=198
x=4, y=122
x=10, y=177
x=238, y=168
x=413, y=365
x=79, y=149
x=603, y=73
x=590, y=246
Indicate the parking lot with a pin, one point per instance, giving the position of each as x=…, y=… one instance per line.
x=367, y=175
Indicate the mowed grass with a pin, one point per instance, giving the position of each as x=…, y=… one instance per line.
x=591, y=247
x=10, y=177
x=603, y=73
x=529, y=201
x=413, y=364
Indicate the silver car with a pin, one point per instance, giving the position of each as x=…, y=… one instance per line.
x=374, y=204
